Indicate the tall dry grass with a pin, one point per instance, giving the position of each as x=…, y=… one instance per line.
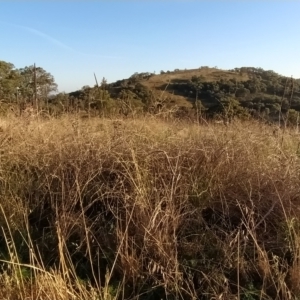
x=148, y=209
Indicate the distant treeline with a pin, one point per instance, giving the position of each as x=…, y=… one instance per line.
x=265, y=94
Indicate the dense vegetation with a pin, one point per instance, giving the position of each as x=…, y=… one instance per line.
x=201, y=93
x=128, y=191
x=148, y=209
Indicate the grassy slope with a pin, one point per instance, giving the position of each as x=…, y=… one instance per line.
x=263, y=93
x=158, y=83
x=157, y=206
x=210, y=74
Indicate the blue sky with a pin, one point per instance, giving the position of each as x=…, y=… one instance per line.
x=114, y=39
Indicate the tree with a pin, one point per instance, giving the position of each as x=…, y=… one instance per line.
x=242, y=92
x=196, y=84
x=98, y=98
x=85, y=87
x=229, y=108
x=5, y=69
x=36, y=79
x=9, y=81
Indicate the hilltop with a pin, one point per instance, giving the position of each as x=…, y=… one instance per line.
x=168, y=82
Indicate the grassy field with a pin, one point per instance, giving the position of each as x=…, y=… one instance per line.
x=145, y=208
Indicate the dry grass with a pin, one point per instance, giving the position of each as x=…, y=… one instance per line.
x=155, y=83
x=210, y=74
x=148, y=209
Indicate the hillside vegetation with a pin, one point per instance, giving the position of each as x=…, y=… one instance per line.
x=200, y=94
x=144, y=208
x=242, y=92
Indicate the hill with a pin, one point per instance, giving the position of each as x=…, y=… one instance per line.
x=169, y=81
x=239, y=92
x=197, y=94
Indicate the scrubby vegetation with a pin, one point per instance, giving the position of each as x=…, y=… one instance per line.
x=147, y=208
x=182, y=185
x=202, y=93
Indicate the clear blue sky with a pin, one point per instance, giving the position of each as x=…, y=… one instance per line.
x=114, y=39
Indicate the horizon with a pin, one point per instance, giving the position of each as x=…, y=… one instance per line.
x=74, y=40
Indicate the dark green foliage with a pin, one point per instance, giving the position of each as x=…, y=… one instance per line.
x=264, y=93
x=19, y=86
